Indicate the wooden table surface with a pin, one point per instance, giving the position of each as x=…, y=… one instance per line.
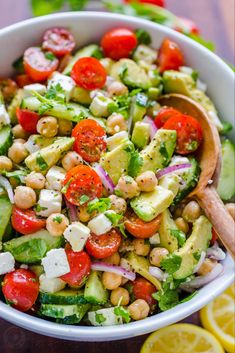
x=216, y=20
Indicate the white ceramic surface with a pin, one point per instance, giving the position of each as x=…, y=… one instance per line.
x=88, y=27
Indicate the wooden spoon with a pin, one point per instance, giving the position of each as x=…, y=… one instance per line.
x=209, y=156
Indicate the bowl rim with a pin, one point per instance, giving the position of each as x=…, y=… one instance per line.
x=108, y=333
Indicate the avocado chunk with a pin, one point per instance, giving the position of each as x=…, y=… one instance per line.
x=116, y=162
x=148, y=205
x=95, y=292
x=158, y=153
x=66, y=296
x=5, y=214
x=138, y=107
x=226, y=187
x=141, y=266
x=170, y=182
x=33, y=247
x=132, y=75
x=117, y=139
x=44, y=159
x=167, y=239
x=140, y=134
x=42, y=141
x=15, y=103
x=195, y=244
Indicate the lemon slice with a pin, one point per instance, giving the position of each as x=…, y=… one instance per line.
x=218, y=318
x=182, y=338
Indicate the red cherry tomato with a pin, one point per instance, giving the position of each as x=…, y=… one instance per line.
x=23, y=80
x=105, y=245
x=164, y=114
x=80, y=266
x=59, y=41
x=153, y=2
x=20, y=288
x=143, y=289
x=189, y=133
x=89, y=140
x=188, y=26
x=28, y=120
x=118, y=43
x=8, y=89
x=82, y=181
x=170, y=56
x=26, y=221
x=140, y=229
x=88, y=73
x=36, y=64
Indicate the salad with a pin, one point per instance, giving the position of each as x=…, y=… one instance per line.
x=95, y=224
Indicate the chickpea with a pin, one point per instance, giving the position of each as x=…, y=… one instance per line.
x=230, y=208
x=191, y=212
x=17, y=152
x=147, y=181
x=118, y=204
x=47, y=126
x=83, y=215
x=113, y=259
x=64, y=127
x=116, y=123
x=182, y=225
x=120, y=296
x=127, y=187
x=157, y=255
x=25, y=197
x=206, y=267
x=139, y=309
x=56, y=224
x=117, y=89
x=126, y=245
x=141, y=247
x=5, y=163
x=70, y=160
x=19, y=141
x=125, y=264
x=19, y=132
x=179, y=210
x=111, y=280
x=35, y=180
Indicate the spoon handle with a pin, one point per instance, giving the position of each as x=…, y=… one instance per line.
x=218, y=215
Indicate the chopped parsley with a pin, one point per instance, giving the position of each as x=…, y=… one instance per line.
x=44, y=107
x=197, y=255
x=41, y=162
x=50, y=56
x=55, y=92
x=99, y=318
x=135, y=164
x=164, y=153
x=143, y=37
x=57, y=219
x=179, y=235
x=100, y=205
x=120, y=311
x=39, y=208
x=83, y=199
x=115, y=219
x=171, y=263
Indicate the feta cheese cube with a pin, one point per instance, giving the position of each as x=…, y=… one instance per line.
x=155, y=239
x=4, y=116
x=66, y=83
x=77, y=234
x=50, y=285
x=54, y=177
x=7, y=263
x=55, y=263
x=37, y=87
x=99, y=106
x=100, y=224
x=49, y=202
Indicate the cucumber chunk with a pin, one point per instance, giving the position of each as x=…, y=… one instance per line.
x=76, y=318
x=5, y=140
x=66, y=296
x=5, y=214
x=226, y=187
x=58, y=311
x=95, y=292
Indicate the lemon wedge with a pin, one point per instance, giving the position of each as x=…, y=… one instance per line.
x=218, y=318
x=181, y=338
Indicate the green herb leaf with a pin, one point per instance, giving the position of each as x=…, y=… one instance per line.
x=44, y=7
x=166, y=299
x=209, y=45
x=135, y=164
x=171, y=263
x=50, y=56
x=39, y=208
x=56, y=93
x=227, y=127
x=57, y=219
x=18, y=65
x=114, y=217
x=189, y=297
x=179, y=235
x=44, y=107
x=83, y=199
x=120, y=311
x=197, y=255
x=41, y=162
x=164, y=153
x=77, y=5
x=100, y=205
x=99, y=318
x=143, y=37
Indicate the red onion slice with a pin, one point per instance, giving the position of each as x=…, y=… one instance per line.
x=72, y=210
x=103, y=266
x=7, y=186
x=153, y=128
x=172, y=169
x=200, y=262
x=215, y=252
x=105, y=178
x=157, y=272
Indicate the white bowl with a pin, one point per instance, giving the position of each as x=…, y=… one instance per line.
x=88, y=27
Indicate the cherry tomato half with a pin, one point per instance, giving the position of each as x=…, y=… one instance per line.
x=82, y=181
x=8, y=89
x=143, y=289
x=118, y=43
x=189, y=133
x=26, y=221
x=140, y=229
x=153, y=2
x=38, y=65
x=89, y=140
x=59, y=41
x=28, y=120
x=88, y=73
x=105, y=245
x=164, y=114
x=23, y=80
x=170, y=56
x=20, y=288
x=80, y=266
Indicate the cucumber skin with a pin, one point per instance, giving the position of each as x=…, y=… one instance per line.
x=56, y=298
x=226, y=186
x=75, y=319
x=5, y=214
x=57, y=311
x=8, y=140
x=94, y=292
